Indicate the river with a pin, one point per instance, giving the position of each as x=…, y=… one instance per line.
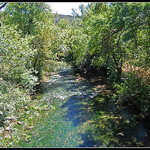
x=81, y=118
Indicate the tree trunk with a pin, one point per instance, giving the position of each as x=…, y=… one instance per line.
x=119, y=72
x=119, y=69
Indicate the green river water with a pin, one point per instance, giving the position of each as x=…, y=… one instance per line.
x=80, y=118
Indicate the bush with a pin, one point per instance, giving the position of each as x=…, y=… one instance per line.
x=12, y=100
x=134, y=95
x=15, y=58
x=16, y=81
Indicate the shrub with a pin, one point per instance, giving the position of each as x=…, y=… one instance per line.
x=16, y=81
x=16, y=54
x=134, y=95
x=12, y=100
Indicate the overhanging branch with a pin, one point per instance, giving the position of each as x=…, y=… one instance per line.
x=3, y=6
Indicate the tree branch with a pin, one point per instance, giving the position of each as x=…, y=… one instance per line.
x=113, y=55
x=3, y=6
x=111, y=34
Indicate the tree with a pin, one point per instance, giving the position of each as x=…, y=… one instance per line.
x=32, y=19
x=112, y=28
x=114, y=36
x=25, y=15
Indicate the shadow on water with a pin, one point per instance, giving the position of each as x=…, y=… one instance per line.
x=77, y=111
x=84, y=111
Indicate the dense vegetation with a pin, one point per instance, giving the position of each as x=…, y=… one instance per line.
x=113, y=40
x=107, y=39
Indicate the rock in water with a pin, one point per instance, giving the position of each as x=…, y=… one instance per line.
x=31, y=127
x=19, y=122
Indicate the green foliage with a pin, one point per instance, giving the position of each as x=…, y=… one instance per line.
x=16, y=80
x=12, y=99
x=25, y=15
x=134, y=95
x=16, y=54
x=112, y=32
x=33, y=19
